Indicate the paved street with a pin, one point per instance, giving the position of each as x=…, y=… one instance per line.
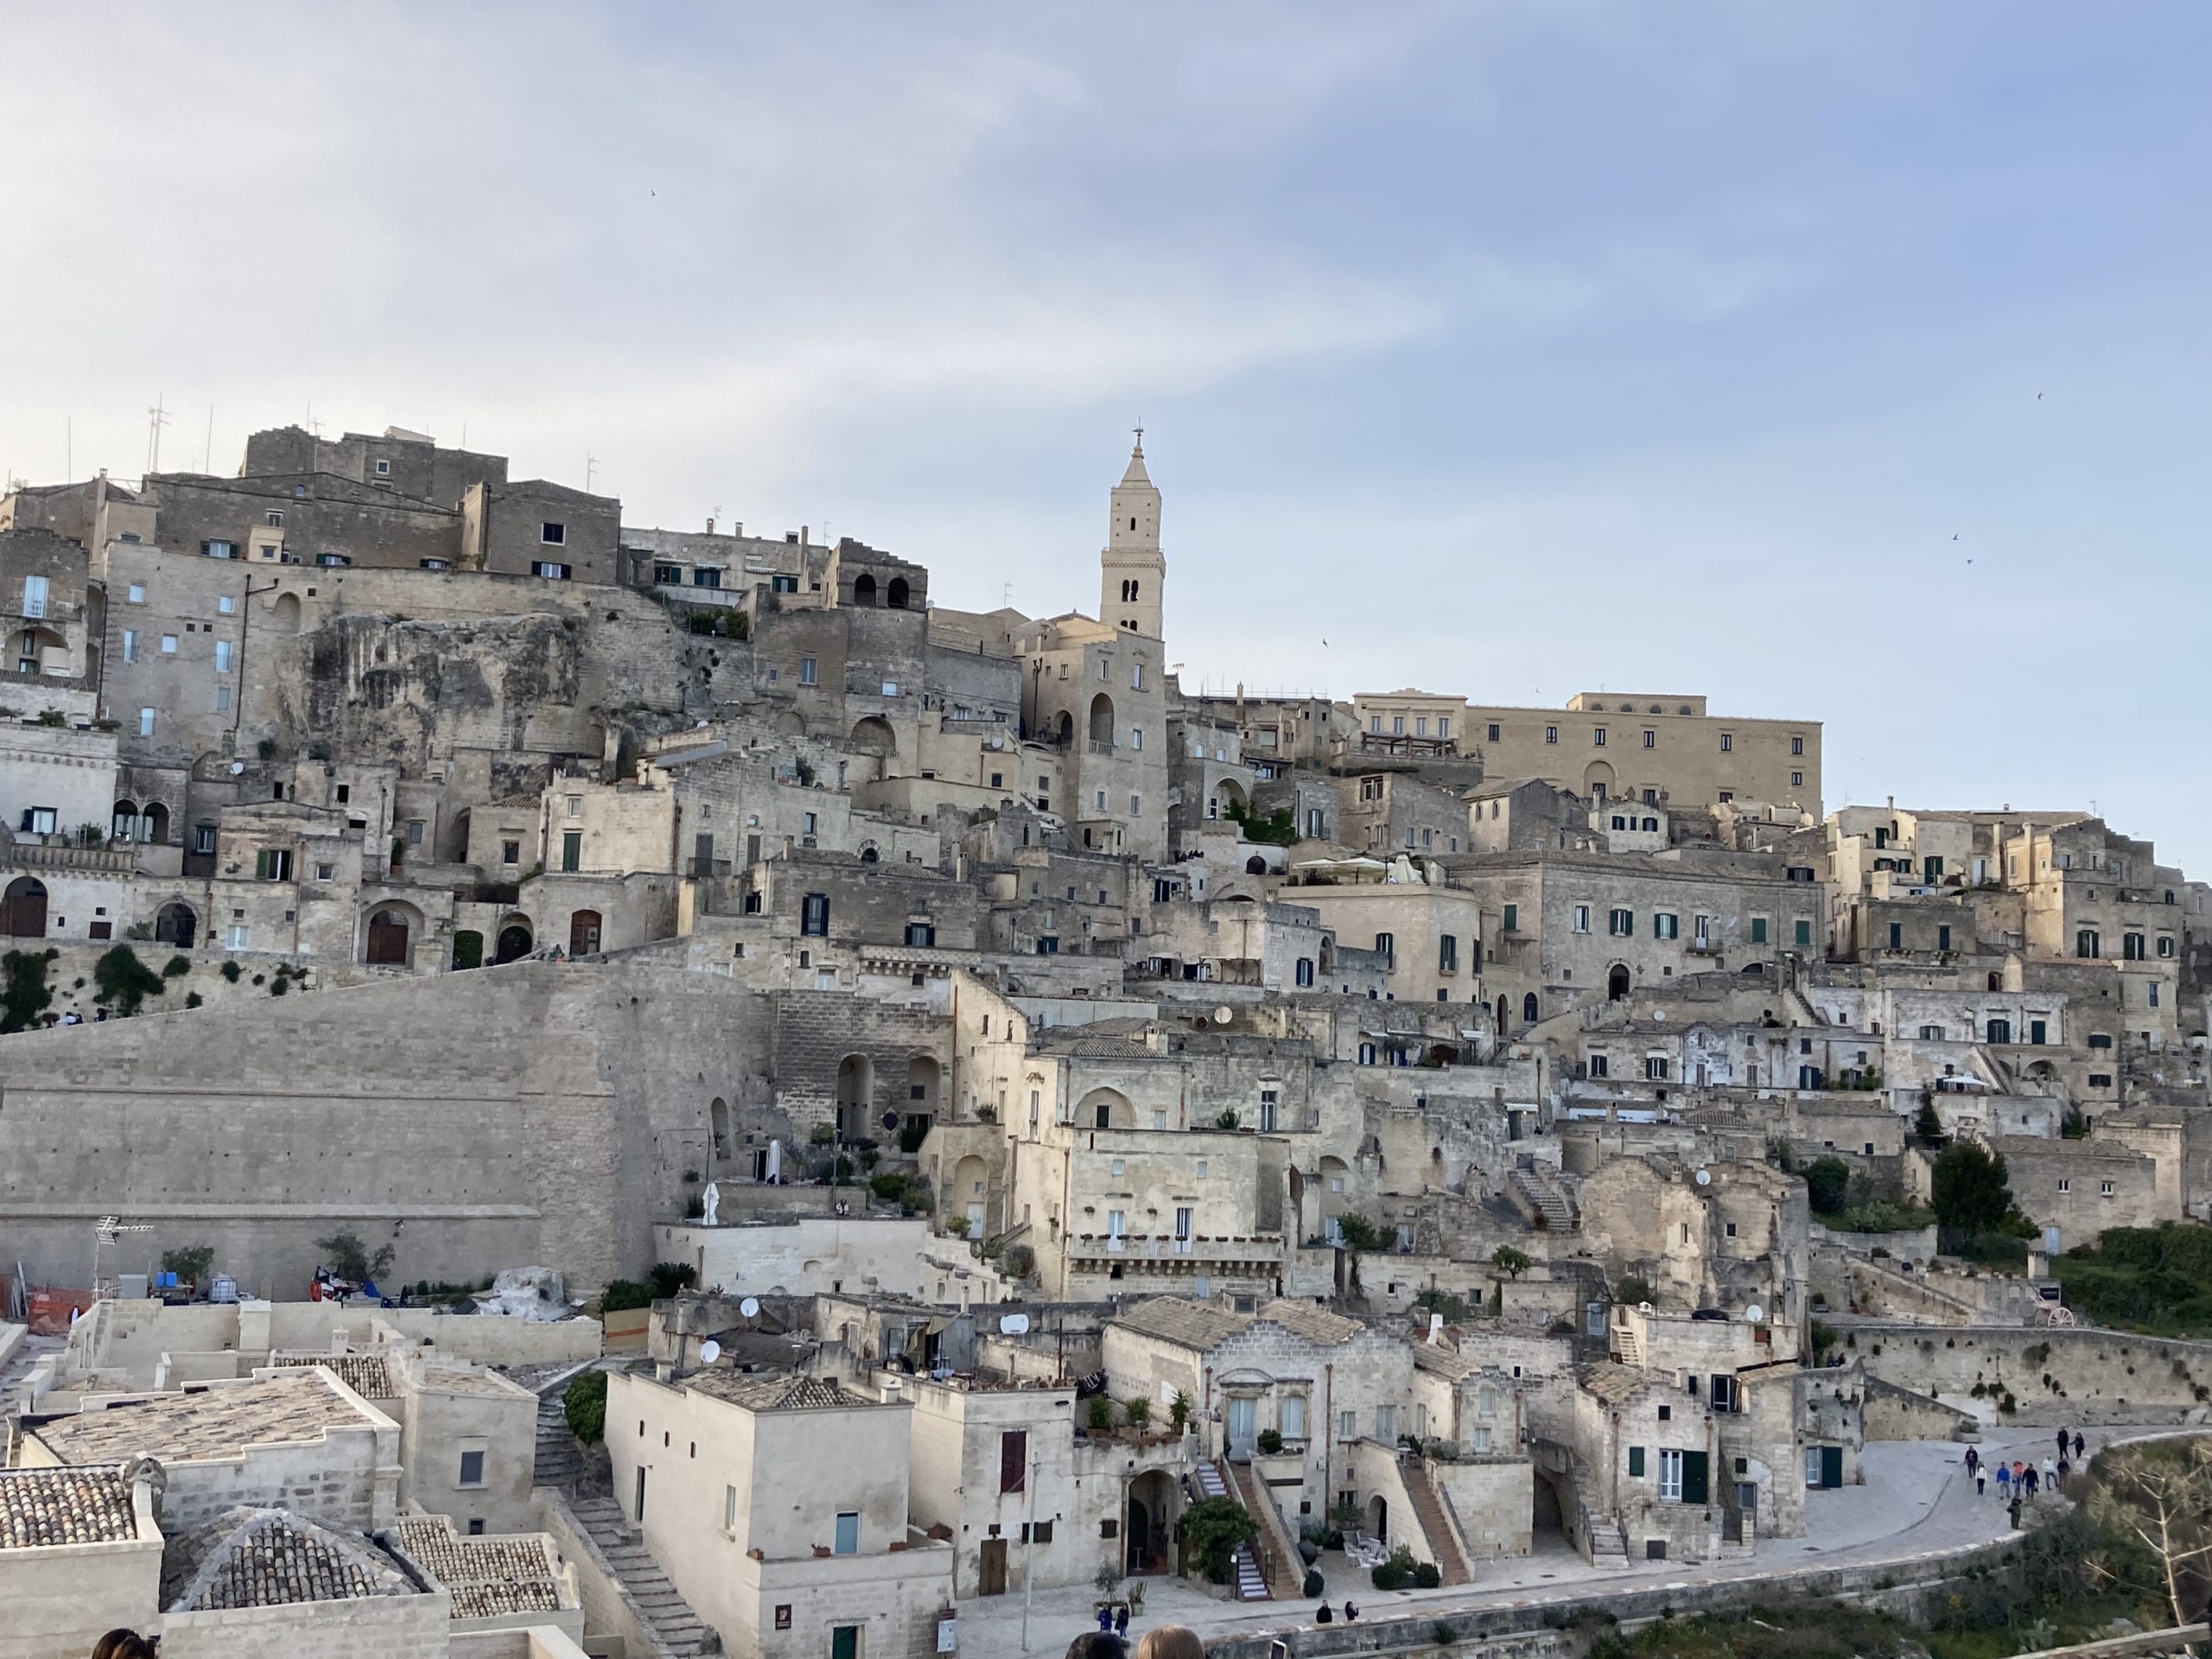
x=1915, y=1501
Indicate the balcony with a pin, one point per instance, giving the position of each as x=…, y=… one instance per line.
x=1097, y=747
x=65, y=853
x=1172, y=1253
x=1410, y=747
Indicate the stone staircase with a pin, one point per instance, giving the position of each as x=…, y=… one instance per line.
x=559, y=1460
x=1539, y=1196
x=1280, y=1565
x=1244, y=1566
x=680, y=1630
x=17, y=1372
x=1428, y=1505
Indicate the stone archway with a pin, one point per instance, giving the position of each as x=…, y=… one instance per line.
x=24, y=908
x=1150, y=1512
x=514, y=942
x=1616, y=982
x=177, y=924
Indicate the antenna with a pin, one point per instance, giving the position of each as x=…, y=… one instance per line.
x=591, y=465
x=157, y=418
x=207, y=456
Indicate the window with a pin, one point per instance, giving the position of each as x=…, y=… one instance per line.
x=814, y=915
x=234, y=939
x=1447, y=954
x=1292, y=1426
x=848, y=1532
x=219, y=550
x=1796, y=746
x=222, y=698
x=1651, y=739
x=1375, y=724
x=1598, y=738
x=2166, y=944
x=222, y=655
x=1728, y=741
x=2086, y=943
x=1670, y=1477
x=2130, y=947
x=169, y=645
x=273, y=519
x=1551, y=734
x=1726, y=1393
x=145, y=722
x=1347, y=1424
x=273, y=864
x=1398, y=725
x=333, y=561
x=1582, y=918
x=553, y=534
x=1797, y=780
x=203, y=838
x=1758, y=930
x=1943, y=936
x=472, y=1469
x=1665, y=926
x=1136, y=737
x=1136, y=673
x=806, y=670
x=1304, y=972
x=2000, y=1031
x=1600, y=1065
x=668, y=576
x=1801, y=932
x=33, y=596
x=1444, y=725
x=130, y=644
x=1621, y=924
x=136, y=595
x=1386, y=944
x=1269, y=1100
x=1655, y=1067
x=1013, y=1460
x=922, y=934
x=706, y=575
x=549, y=571
x=511, y=852
x=2103, y=1189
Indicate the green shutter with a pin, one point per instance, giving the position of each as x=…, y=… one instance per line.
x=1635, y=1462
x=1804, y=932
x=1758, y=930
x=1512, y=917
x=1694, y=1486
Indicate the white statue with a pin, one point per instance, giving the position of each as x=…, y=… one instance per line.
x=714, y=1203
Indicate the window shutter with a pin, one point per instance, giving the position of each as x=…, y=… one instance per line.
x=1694, y=1477
x=1013, y=1460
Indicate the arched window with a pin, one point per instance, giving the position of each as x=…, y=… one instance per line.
x=126, y=826
x=864, y=590
x=895, y=595
x=1531, y=1010
x=154, y=824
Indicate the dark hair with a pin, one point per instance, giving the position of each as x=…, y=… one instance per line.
x=126, y=1644
x=1098, y=1645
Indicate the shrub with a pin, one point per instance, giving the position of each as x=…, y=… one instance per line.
x=27, y=995
x=177, y=967
x=1828, y=1183
x=1179, y=1412
x=1426, y=1576
x=192, y=999
x=1227, y=1120
x=279, y=985
x=189, y=1262
x=1634, y=1288
x=1396, y=1573
x=1214, y=1527
x=624, y=1295
x=1970, y=1191
x=1138, y=1410
x=957, y=1226
x=1099, y=1413
x=584, y=1404
x=231, y=971
x=1359, y=1233
x=1270, y=1442
x=125, y=981
x=349, y=1258
x=669, y=1277
x=1313, y=1588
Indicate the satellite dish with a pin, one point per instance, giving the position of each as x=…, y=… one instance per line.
x=1014, y=1324
x=750, y=1307
x=237, y=766
x=1704, y=1178
x=891, y=1120
x=1755, y=1313
x=1222, y=1016
x=710, y=1351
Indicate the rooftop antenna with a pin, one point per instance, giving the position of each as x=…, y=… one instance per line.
x=157, y=418
x=591, y=465
x=105, y=1231
x=208, y=456
x=69, y=450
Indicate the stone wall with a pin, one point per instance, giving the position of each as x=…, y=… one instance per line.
x=538, y=1113
x=2058, y=1375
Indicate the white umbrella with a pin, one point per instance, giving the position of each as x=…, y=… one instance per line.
x=775, y=1161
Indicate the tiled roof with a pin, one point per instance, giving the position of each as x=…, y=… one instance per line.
x=367, y=1374
x=219, y=1422
x=273, y=1558
x=774, y=1391
x=43, y=1507
x=1312, y=1322
x=1610, y=1382
x=488, y=1577
x=1177, y=1318
x=1444, y=1362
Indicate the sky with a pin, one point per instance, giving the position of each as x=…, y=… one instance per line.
x=1839, y=361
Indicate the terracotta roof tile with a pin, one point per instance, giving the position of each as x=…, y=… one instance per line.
x=39, y=1508
x=219, y=1422
x=273, y=1558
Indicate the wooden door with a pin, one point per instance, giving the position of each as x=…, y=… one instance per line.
x=583, y=933
x=991, y=1579
x=387, y=939
x=25, y=908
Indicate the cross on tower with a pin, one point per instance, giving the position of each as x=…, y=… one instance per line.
x=1140, y=432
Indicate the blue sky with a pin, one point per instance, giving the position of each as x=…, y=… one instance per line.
x=1516, y=349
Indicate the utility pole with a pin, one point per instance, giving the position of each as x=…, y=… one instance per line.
x=1029, y=1548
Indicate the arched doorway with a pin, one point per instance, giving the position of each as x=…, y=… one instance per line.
x=968, y=1197
x=895, y=594
x=25, y=907
x=1597, y=781
x=514, y=942
x=874, y=736
x=1256, y=865
x=389, y=937
x=864, y=590
x=154, y=824
x=1616, y=982
x=467, y=949
x=284, y=615
x=1105, y=1108
x=124, y=826
x=1378, y=1518
x=1066, y=729
x=855, y=1095
x=1149, y=1523
x=718, y=1123
x=1531, y=1010
x=1102, y=719
x=583, y=932
x=923, y=1073
x=176, y=924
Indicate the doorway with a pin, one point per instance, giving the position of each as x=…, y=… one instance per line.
x=1617, y=983
x=388, y=937
x=1241, y=1415
x=639, y=1515
x=176, y=925
x=25, y=908
x=514, y=943
x=583, y=933
x=1378, y=1518
x=990, y=1579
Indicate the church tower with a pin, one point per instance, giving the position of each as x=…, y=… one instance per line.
x=1132, y=570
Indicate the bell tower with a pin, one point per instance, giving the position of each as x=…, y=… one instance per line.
x=1132, y=570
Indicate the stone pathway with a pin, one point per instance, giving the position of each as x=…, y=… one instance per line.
x=1916, y=1501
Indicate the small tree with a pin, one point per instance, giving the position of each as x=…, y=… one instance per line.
x=350, y=1259
x=1970, y=1191
x=1510, y=1262
x=1928, y=1126
x=189, y=1263
x=1214, y=1527
x=1138, y=1409
x=584, y=1404
x=1359, y=1233
x=1827, y=1185
x=1633, y=1288
x=2165, y=1499
x=669, y=1277
x=1179, y=1412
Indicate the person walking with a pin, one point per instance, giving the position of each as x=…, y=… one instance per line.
x=1105, y=1619
x=1122, y=1620
x=2028, y=1476
x=2050, y=1474
x=2062, y=1442
x=2004, y=1482
x=2080, y=1444
x=1973, y=1462
x=2016, y=1514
